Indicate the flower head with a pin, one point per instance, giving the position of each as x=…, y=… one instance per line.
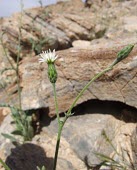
x=48, y=56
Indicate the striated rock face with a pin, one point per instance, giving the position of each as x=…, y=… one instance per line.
x=57, y=26
x=75, y=68
x=64, y=25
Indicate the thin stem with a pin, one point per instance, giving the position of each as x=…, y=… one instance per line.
x=4, y=164
x=19, y=36
x=86, y=86
x=56, y=103
x=18, y=56
x=60, y=126
x=19, y=89
x=10, y=62
x=57, y=145
x=5, y=52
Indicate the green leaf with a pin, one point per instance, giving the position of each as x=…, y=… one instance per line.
x=109, y=160
x=9, y=137
x=38, y=168
x=5, y=69
x=17, y=132
x=43, y=168
x=14, y=111
x=5, y=105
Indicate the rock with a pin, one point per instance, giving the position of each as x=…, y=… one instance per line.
x=116, y=139
x=67, y=156
x=130, y=24
x=7, y=74
x=81, y=44
x=39, y=152
x=37, y=91
x=134, y=146
x=3, y=113
x=28, y=156
x=71, y=79
x=5, y=144
x=84, y=133
x=57, y=27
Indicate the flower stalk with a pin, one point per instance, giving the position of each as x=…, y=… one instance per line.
x=60, y=127
x=56, y=103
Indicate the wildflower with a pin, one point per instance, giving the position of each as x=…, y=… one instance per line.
x=50, y=57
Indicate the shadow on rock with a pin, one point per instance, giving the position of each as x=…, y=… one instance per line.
x=27, y=157
x=118, y=109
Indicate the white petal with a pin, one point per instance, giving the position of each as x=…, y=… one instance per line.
x=48, y=56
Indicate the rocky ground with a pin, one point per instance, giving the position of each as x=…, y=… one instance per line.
x=87, y=40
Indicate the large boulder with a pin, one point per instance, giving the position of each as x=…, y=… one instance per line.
x=89, y=132
x=111, y=25
x=75, y=68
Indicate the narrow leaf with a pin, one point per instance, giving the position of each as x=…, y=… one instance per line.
x=9, y=137
x=17, y=132
x=4, y=164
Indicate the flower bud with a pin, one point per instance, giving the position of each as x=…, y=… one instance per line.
x=52, y=73
x=123, y=53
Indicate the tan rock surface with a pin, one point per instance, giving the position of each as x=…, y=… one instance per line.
x=75, y=68
x=55, y=22
x=58, y=26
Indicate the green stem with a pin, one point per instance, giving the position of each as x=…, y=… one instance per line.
x=18, y=55
x=4, y=165
x=86, y=86
x=10, y=62
x=60, y=126
x=19, y=89
x=56, y=103
x=57, y=145
x=5, y=52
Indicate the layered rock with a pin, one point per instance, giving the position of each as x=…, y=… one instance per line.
x=75, y=68
x=59, y=26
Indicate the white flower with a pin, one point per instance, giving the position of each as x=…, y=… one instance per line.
x=48, y=56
